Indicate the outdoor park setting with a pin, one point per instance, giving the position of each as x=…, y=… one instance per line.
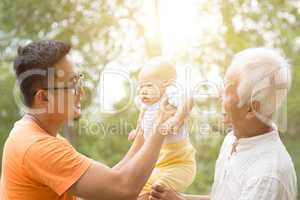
x=112, y=40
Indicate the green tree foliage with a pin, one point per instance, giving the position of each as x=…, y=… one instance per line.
x=106, y=31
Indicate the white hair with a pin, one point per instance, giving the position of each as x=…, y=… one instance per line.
x=264, y=76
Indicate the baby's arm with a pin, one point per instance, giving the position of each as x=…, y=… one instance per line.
x=132, y=135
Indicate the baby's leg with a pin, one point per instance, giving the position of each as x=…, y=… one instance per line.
x=177, y=178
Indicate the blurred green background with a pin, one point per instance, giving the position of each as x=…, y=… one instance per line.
x=122, y=35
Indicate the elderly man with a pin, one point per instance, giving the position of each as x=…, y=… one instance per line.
x=253, y=162
x=38, y=164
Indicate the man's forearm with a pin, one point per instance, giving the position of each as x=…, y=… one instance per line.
x=138, y=169
x=135, y=147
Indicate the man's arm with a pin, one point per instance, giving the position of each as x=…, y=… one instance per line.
x=138, y=141
x=135, y=147
x=101, y=182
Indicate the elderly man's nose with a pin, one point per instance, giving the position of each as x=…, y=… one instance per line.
x=221, y=97
x=221, y=94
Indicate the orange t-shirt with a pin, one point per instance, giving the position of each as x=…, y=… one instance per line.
x=37, y=166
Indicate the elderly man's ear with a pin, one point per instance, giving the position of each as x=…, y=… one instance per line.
x=254, y=108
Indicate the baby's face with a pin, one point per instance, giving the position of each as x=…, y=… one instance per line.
x=153, y=79
x=150, y=91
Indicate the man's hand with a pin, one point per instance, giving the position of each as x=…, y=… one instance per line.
x=162, y=193
x=175, y=117
x=166, y=112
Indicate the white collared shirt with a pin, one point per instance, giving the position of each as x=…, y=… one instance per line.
x=259, y=169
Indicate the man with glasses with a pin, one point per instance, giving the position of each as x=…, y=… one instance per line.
x=38, y=164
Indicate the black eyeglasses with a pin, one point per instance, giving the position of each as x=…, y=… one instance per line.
x=76, y=86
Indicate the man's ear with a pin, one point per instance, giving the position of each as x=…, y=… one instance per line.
x=41, y=97
x=254, y=108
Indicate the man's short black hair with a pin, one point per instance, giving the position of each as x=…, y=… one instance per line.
x=39, y=55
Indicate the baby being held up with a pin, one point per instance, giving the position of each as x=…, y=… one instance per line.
x=176, y=165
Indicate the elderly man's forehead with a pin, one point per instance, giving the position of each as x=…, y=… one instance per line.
x=231, y=76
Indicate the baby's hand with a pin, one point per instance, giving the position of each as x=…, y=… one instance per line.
x=132, y=135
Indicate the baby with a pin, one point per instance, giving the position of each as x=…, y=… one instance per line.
x=176, y=165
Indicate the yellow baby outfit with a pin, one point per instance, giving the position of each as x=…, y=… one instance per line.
x=176, y=165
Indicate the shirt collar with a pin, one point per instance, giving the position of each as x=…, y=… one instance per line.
x=251, y=142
